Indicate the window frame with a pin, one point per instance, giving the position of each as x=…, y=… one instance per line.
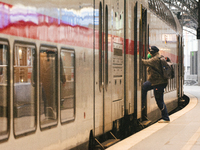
x=56, y=91
x=72, y=50
x=4, y=40
x=25, y=43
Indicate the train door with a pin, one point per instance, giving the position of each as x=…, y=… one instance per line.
x=109, y=82
x=143, y=45
x=102, y=106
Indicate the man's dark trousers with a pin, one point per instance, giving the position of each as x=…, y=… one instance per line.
x=158, y=93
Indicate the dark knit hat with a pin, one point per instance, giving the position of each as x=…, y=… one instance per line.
x=153, y=49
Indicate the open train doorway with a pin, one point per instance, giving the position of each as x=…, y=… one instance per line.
x=143, y=47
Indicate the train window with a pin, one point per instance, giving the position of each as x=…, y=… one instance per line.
x=4, y=124
x=169, y=85
x=167, y=88
x=106, y=47
x=171, y=82
x=175, y=76
x=24, y=95
x=100, y=45
x=48, y=86
x=67, y=87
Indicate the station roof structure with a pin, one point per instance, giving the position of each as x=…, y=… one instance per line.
x=185, y=10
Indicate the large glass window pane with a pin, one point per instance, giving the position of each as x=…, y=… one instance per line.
x=3, y=91
x=24, y=89
x=67, y=101
x=48, y=86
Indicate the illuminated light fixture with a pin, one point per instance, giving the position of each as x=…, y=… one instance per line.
x=20, y=54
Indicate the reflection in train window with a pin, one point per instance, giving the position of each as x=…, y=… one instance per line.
x=67, y=86
x=3, y=91
x=48, y=86
x=24, y=89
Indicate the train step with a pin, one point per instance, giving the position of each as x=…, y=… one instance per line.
x=145, y=122
x=110, y=142
x=107, y=143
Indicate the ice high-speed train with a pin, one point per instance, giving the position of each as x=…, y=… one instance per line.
x=71, y=72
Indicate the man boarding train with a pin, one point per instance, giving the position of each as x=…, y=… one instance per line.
x=155, y=81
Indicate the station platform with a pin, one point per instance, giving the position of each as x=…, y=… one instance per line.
x=182, y=133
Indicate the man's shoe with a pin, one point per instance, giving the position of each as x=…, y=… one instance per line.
x=163, y=121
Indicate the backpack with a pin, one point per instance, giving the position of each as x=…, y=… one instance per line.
x=167, y=67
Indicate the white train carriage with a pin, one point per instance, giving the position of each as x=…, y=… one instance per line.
x=71, y=72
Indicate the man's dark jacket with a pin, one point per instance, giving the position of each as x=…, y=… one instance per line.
x=154, y=72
